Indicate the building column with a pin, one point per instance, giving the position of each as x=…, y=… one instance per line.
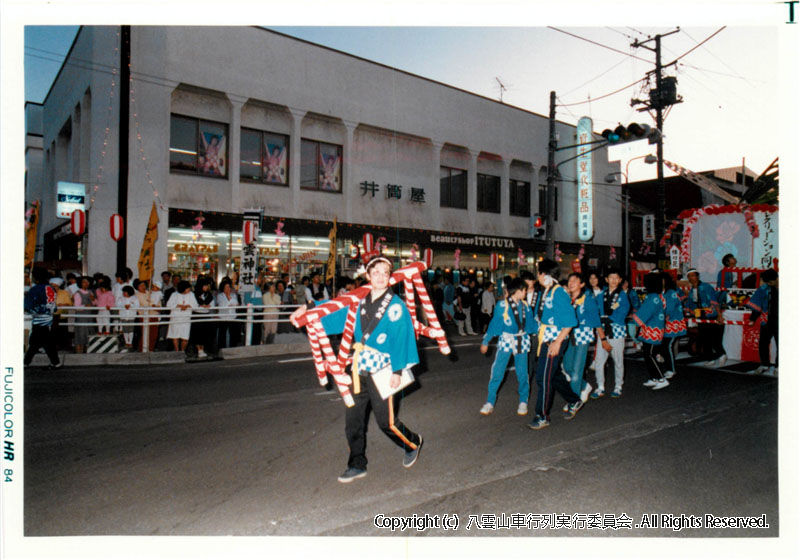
x=433, y=194
x=348, y=172
x=472, y=189
x=295, y=157
x=234, y=159
x=505, y=193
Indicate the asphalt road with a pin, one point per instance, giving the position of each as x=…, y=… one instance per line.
x=253, y=447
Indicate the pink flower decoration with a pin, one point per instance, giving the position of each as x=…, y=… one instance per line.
x=726, y=231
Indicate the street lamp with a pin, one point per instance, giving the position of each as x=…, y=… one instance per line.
x=649, y=158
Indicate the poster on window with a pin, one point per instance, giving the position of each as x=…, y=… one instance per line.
x=330, y=169
x=275, y=162
x=212, y=152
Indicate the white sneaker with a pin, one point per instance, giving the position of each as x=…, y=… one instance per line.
x=771, y=372
x=201, y=354
x=669, y=375
x=659, y=358
x=722, y=360
x=487, y=409
x=585, y=393
x=522, y=409
x=660, y=384
x=650, y=383
x=759, y=370
x=710, y=363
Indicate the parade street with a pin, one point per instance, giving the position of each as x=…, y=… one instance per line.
x=253, y=447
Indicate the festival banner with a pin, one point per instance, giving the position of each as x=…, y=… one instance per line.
x=330, y=271
x=145, y=264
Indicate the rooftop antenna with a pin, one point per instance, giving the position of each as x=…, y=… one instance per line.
x=502, y=88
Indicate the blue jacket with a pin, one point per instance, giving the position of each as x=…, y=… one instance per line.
x=557, y=311
x=620, y=306
x=504, y=321
x=588, y=317
x=674, y=316
x=709, y=304
x=759, y=301
x=393, y=335
x=40, y=302
x=651, y=318
x=633, y=299
x=724, y=281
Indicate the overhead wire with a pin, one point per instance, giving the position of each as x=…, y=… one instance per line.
x=598, y=44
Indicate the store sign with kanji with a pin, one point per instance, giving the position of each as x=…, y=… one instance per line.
x=392, y=191
x=584, y=171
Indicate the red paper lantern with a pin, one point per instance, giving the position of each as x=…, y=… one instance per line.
x=116, y=227
x=427, y=256
x=77, y=222
x=369, y=244
x=249, y=232
x=494, y=261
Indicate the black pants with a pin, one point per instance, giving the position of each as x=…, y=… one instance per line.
x=709, y=336
x=767, y=332
x=229, y=326
x=357, y=417
x=668, y=349
x=42, y=336
x=653, y=371
x=550, y=379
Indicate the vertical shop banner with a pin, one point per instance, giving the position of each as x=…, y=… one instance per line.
x=248, y=262
x=330, y=272
x=648, y=228
x=765, y=246
x=584, y=175
x=145, y=264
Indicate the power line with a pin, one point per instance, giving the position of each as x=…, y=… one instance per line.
x=623, y=61
x=606, y=95
x=719, y=59
x=598, y=44
x=697, y=45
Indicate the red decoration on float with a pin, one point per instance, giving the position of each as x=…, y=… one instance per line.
x=77, y=222
x=116, y=227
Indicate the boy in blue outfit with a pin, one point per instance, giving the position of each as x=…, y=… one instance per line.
x=582, y=335
x=614, y=307
x=513, y=323
x=556, y=318
x=765, y=301
x=651, y=319
x=702, y=303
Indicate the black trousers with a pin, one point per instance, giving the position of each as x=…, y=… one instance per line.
x=550, y=379
x=231, y=327
x=42, y=337
x=653, y=371
x=709, y=335
x=357, y=417
x=767, y=332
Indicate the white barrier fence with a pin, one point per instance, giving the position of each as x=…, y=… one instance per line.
x=146, y=317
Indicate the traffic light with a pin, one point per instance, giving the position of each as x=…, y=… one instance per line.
x=537, y=228
x=631, y=133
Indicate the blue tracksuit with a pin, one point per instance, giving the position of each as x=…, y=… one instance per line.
x=588, y=317
x=513, y=323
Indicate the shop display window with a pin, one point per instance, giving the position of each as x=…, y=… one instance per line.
x=198, y=146
x=320, y=166
x=264, y=157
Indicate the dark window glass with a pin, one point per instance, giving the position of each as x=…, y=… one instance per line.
x=198, y=146
x=488, y=193
x=183, y=144
x=543, y=202
x=520, y=198
x=276, y=159
x=320, y=166
x=250, y=164
x=452, y=187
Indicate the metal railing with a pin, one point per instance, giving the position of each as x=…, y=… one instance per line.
x=146, y=317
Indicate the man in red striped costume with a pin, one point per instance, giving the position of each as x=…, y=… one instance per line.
x=384, y=337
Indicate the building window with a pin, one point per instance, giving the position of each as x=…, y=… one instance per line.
x=488, y=193
x=520, y=198
x=452, y=188
x=320, y=166
x=198, y=146
x=264, y=157
x=543, y=202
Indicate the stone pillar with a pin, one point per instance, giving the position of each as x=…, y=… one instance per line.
x=348, y=171
x=295, y=157
x=505, y=194
x=433, y=190
x=234, y=155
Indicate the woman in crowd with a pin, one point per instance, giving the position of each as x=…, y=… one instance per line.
x=227, y=301
x=83, y=299
x=203, y=330
x=181, y=303
x=272, y=302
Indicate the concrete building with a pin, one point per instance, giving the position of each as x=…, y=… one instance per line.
x=226, y=119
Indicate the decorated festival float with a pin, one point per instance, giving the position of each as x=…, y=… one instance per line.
x=750, y=234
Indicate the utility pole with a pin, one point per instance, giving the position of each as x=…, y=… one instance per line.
x=660, y=98
x=551, y=178
x=124, y=131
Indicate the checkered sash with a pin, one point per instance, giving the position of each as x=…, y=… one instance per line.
x=371, y=360
x=583, y=335
x=507, y=343
x=617, y=331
